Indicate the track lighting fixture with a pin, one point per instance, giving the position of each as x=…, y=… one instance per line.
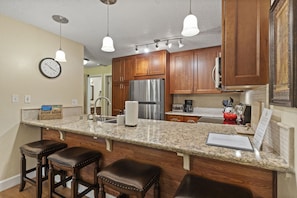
x=146, y=49
x=169, y=45
x=159, y=43
x=180, y=44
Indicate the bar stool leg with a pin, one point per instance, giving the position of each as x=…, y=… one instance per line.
x=39, y=178
x=23, y=173
x=96, y=183
x=101, y=191
x=51, y=181
x=157, y=190
x=74, y=183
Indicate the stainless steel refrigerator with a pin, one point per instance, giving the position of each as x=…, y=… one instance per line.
x=150, y=97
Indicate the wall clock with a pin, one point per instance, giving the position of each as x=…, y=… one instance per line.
x=50, y=68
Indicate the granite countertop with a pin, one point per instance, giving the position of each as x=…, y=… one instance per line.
x=178, y=137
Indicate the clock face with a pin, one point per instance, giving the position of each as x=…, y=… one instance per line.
x=50, y=68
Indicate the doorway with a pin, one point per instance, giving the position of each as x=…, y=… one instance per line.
x=94, y=90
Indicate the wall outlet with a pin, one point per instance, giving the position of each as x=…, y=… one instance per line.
x=27, y=99
x=15, y=98
x=74, y=102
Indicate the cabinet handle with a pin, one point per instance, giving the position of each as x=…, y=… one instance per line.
x=213, y=74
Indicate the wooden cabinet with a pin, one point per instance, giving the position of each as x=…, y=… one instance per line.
x=174, y=118
x=120, y=93
x=123, y=69
x=245, y=42
x=181, y=118
x=191, y=119
x=191, y=71
x=122, y=73
x=204, y=60
x=181, y=72
x=153, y=63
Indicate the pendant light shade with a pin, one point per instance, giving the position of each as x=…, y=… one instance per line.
x=107, y=44
x=60, y=54
x=190, y=25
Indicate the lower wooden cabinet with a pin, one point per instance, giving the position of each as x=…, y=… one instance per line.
x=181, y=118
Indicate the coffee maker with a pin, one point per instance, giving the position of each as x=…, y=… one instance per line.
x=188, y=106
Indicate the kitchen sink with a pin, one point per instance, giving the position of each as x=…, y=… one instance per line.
x=106, y=119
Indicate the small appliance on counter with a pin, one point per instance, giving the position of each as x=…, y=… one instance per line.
x=188, y=107
x=229, y=114
x=177, y=108
x=243, y=113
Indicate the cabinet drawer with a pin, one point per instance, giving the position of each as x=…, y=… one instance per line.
x=174, y=118
x=191, y=119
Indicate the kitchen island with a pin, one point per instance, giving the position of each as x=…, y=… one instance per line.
x=177, y=148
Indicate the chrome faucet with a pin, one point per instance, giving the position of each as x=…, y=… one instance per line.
x=95, y=107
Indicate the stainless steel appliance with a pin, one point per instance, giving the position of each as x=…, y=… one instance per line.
x=188, y=105
x=217, y=73
x=150, y=96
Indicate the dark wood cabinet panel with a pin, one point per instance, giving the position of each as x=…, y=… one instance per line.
x=203, y=71
x=181, y=72
x=181, y=118
x=120, y=93
x=142, y=64
x=245, y=42
x=153, y=63
x=123, y=69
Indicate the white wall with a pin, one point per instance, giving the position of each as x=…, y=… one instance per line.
x=22, y=46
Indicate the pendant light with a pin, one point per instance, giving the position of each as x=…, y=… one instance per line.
x=107, y=43
x=60, y=54
x=190, y=27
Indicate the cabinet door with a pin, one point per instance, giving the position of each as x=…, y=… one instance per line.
x=141, y=65
x=129, y=68
x=174, y=118
x=157, y=63
x=118, y=69
x=120, y=93
x=245, y=42
x=191, y=119
x=203, y=70
x=181, y=72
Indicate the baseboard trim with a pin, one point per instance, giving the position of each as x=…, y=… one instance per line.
x=13, y=181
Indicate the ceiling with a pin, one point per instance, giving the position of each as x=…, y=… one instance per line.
x=131, y=22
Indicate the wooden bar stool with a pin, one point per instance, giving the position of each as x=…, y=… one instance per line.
x=39, y=150
x=193, y=186
x=72, y=160
x=129, y=177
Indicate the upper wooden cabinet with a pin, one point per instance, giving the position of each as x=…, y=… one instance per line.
x=245, y=42
x=191, y=71
x=153, y=63
x=204, y=61
x=181, y=72
x=123, y=69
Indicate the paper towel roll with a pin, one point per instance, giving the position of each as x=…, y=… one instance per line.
x=131, y=113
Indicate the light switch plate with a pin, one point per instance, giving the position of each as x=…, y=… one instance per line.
x=27, y=99
x=15, y=98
